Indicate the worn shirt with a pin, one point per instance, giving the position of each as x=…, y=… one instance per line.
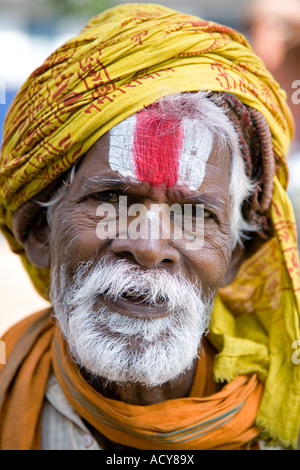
x=62, y=427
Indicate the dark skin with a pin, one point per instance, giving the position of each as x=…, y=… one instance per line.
x=74, y=239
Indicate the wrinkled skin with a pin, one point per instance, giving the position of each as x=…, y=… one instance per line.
x=77, y=218
x=74, y=239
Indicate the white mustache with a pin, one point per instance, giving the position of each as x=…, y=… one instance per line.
x=120, y=278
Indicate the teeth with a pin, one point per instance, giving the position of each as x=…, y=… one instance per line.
x=143, y=297
x=136, y=296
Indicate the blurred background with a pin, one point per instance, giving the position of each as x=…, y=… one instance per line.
x=31, y=29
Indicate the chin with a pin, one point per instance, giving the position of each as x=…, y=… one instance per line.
x=124, y=349
x=146, y=329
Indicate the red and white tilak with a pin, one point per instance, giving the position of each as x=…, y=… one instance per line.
x=160, y=151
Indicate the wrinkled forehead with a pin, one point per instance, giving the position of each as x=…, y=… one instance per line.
x=159, y=149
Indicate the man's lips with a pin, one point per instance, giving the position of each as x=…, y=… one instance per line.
x=136, y=306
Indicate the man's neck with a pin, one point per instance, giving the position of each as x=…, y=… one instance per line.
x=138, y=394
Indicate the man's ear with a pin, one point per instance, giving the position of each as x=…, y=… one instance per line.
x=237, y=257
x=37, y=247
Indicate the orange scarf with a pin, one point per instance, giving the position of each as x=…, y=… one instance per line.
x=223, y=420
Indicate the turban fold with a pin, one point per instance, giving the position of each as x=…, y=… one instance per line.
x=125, y=59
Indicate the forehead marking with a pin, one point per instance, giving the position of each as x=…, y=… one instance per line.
x=120, y=144
x=160, y=151
x=196, y=148
x=156, y=149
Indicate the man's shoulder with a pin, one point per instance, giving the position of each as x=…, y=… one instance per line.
x=11, y=337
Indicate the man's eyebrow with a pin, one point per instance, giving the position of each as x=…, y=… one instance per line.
x=94, y=183
x=207, y=200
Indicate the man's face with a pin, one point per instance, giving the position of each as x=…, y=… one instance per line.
x=151, y=283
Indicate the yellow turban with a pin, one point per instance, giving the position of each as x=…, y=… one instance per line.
x=125, y=59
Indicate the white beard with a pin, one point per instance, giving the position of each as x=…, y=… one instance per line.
x=121, y=348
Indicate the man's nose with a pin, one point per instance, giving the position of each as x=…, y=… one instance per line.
x=152, y=253
x=150, y=247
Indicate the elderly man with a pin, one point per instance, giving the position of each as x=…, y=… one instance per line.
x=143, y=183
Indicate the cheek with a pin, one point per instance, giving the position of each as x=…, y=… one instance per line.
x=209, y=264
x=211, y=270
x=75, y=238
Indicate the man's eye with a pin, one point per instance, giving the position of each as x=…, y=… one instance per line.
x=200, y=212
x=106, y=196
x=207, y=214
